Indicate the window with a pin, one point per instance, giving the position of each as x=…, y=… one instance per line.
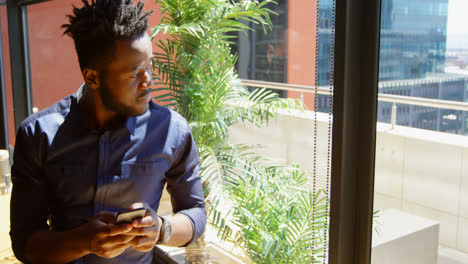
x=420, y=176
x=299, y=56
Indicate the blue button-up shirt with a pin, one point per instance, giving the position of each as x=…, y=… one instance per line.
x=66, y=172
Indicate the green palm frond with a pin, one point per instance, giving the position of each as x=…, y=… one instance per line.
x=260, y=105
x=274, y=207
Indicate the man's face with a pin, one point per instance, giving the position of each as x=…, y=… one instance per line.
x=125, y=85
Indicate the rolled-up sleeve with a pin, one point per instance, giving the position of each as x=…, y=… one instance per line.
x=28, y=207
x=184, y=184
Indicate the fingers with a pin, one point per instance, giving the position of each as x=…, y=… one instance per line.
x=143, y=231
x=115, y=251
x=113, y=230
x=142, y=243
x=110, y=250
x=149, y=219
x=110, y=246
x=105, y=238
x=146, y=221
x=146, y=235
x=110, y=240
x=98, y=226
x=118, y=239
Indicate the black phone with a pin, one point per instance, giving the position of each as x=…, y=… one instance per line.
x=129, y=216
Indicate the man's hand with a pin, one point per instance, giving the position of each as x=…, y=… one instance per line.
x=146, y=230
x=105, y=238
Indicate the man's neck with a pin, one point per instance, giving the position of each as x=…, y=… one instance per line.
x=95, y=113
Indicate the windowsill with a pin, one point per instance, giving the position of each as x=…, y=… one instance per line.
x=207, y=249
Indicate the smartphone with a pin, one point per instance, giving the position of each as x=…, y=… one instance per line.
x=129, y=216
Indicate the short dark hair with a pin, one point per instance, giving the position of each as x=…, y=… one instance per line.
x=97, y=25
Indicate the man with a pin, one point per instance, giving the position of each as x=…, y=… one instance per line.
x=106, y=149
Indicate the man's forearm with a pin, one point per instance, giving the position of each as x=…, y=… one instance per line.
x=47, y=246
x=182, y=230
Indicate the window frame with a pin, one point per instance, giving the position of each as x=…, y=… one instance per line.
x=354, y=130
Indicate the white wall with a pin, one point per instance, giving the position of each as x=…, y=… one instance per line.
x=290, y=139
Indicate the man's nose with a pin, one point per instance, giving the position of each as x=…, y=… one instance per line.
x=147, y=78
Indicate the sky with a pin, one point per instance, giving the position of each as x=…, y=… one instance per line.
x=457, y=24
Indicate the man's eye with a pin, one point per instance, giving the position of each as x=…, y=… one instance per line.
x=141, y=71
x=136, y=74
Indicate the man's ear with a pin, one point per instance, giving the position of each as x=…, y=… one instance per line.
x=91, y=78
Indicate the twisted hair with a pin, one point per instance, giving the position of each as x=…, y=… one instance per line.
x=98, y=24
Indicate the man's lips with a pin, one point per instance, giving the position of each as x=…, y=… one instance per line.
x=145, y=97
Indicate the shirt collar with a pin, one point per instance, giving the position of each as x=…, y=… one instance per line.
x=78, y=122
x=131, y=124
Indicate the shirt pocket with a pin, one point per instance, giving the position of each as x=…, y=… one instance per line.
x=142, y=182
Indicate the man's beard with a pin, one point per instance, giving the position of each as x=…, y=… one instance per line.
x=112, y=104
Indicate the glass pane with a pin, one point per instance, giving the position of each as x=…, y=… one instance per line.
x=296, y=51
x=421, y=180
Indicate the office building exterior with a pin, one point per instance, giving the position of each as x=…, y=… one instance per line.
x=412, y=59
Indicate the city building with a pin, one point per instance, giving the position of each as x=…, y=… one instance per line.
x=412, y=59
x=442, y=86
